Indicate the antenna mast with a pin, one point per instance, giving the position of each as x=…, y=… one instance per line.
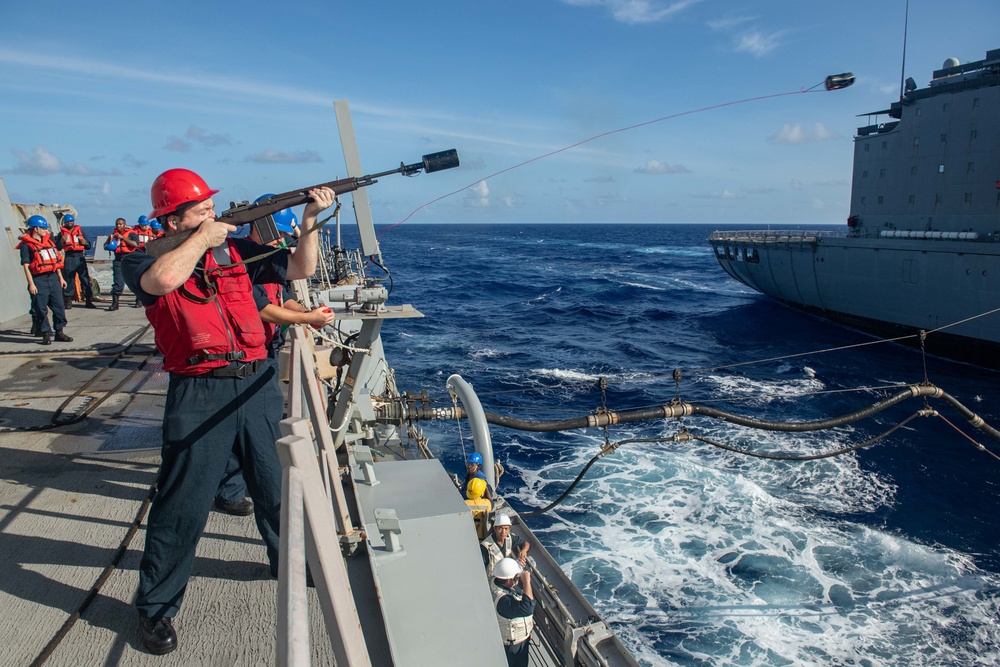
x=902, y=73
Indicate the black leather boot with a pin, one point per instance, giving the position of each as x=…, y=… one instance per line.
x=158, y=635
x=90, y=304
x=114, y=302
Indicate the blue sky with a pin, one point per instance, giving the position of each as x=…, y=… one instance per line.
x=99, y=98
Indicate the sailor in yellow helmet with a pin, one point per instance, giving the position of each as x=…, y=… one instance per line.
x=480, y=506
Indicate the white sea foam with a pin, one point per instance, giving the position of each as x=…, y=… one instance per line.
x=688, y=552
x=487, y=353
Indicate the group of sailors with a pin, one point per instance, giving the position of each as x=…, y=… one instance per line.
x=55, y=262
x=505, y=557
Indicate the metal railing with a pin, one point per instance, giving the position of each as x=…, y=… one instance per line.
x=313, y=513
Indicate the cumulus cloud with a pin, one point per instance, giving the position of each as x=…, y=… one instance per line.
x=284, y=157
x=728, y=22
x=638, y=11
x=178, y=145
x=725, y=194
x=657, y=167
x=757, y=43
x=795, y=134
x=478, y=195
x=198, y=135
x=39, y=162
x=130, y=160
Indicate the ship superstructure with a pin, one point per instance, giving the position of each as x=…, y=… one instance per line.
x=921, y=250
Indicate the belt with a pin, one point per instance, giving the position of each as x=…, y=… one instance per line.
x=235, y=369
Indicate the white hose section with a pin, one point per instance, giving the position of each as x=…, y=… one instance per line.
x=477, y=421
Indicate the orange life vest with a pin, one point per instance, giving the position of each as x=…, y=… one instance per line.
x=45, y=257
x=201, y=326
x=72, y=239
x=143, y=235
x=123, y=248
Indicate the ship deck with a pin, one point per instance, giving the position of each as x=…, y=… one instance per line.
x=72, y=495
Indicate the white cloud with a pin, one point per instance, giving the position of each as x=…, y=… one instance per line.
x=757, y=43
x=794, y=134
x=657, y=167
x=638, y=11
x=204, y=138
x=178, y=145
x=725, y=194
x=728, y=22
x=39, y=162
x=795, y=184
x=479, y=195
x=284, y=157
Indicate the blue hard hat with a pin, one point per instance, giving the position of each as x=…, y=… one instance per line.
x=284, y=220
x=38, y=221
x=69, y=217
x=111, y=245
x=475, y=457
x=155, y=224
x=142, y=221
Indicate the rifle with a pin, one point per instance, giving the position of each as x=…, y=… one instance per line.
x=259, y=212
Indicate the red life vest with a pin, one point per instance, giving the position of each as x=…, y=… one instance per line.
x=157, y=233
x=72, y=239
x=200, y=327
x=45, y=257
x=123, y=248
x=273, y=291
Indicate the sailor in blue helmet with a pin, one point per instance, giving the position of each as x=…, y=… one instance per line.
x=474, y=468
x=43, y=264
x=277, y=308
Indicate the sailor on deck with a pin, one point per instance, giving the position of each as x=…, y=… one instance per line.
x=73, y=242
x=43, y=264
x=198, y=296
x=501, y=544
x=515, y=606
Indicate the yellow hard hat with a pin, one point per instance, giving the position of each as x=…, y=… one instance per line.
x=476, y=488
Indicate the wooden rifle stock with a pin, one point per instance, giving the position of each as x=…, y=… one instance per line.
x=245, y=212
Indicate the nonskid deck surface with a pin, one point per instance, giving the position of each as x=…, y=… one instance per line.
x=69, y=495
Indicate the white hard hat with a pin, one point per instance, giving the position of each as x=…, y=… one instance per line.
x=501, y=520
x=507, y=568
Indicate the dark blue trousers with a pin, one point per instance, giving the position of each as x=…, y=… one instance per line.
x=232, y=488
x=50, y=295
x=117, y=278
x=75, y=264
x=204, y=420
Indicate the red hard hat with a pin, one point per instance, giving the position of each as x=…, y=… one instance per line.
x=175, y=187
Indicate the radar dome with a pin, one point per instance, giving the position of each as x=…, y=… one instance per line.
x=951, y=62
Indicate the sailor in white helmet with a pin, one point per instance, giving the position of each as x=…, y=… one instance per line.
x=515, y=605
x=501, y=544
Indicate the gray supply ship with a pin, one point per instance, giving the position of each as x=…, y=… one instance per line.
x=921, y=250
x=392, y=547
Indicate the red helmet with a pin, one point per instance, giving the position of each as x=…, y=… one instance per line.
x=175, y=187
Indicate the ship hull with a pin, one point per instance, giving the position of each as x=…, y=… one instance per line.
x=890, y=287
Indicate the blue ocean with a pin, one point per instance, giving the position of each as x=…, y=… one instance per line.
x=698, y=556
